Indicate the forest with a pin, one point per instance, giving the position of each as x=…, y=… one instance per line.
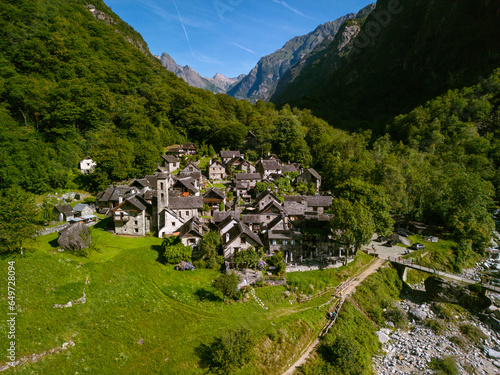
x=72, y=85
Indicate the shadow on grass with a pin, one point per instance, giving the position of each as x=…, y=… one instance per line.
x=207, y=295
x=205, y=354
x=54, y=243
x=161, y=257
x=104, y=224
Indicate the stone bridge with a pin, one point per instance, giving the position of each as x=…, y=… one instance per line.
x=402, y=266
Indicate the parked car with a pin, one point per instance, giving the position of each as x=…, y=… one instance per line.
x=389, y=244
x=382, y=239
x=418, y=246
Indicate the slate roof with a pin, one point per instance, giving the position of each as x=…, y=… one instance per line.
x=241, y=185
x=138, y=202
x=252, y=219
x=170, y=158
x=186, y=169
x=188, y=145
x=220, y=216
x=229, y=154
x=188, y=183
x=265, y=195
x=193, y=227
x=239, y=230
x=270, y=165
x=289, y=168
x=318, y=201
x=214, y=191
x=272, y=204
x=80, y=207
x=248, y=176
x=216, y=163
x=185, y=203
x=314, y=173
x=65, y=209
x=152, y=179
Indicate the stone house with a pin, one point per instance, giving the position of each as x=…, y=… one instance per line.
x=250, y=178
x=310, y=176
x=238, y=238
x=266, y=168
x=133, y=217
x=82, y=209
x=240, y=165
x=171, y=163
x=216, y=171
x=191, y=233
x=186, y=187
x=177, y=212
x=184, y=149
x=264, y=199
x=191, y=170
x=64, y=212
x=213, y=197
x=228, y=155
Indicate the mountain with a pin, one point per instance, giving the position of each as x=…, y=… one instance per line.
x=405, y=53
x=260, y=83
x=218, y=84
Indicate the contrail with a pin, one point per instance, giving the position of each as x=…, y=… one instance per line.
x=244, y=48
x=285, y=4
x=183, y=27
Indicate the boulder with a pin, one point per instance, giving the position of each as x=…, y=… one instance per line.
x=382, y=337
x=417, y=314
x=493, y=354
x=75, y=237
x=396, y=238
x=440, y=290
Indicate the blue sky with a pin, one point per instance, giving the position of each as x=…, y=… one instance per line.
x=226, y=36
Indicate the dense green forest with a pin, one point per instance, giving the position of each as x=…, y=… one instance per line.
x=72, y=85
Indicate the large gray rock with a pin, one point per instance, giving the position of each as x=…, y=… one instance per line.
x=493, y=354
x=75, y=237
x=440, y=290
x=417, y=314
x=382, y=337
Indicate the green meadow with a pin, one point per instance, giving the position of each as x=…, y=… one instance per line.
x=141, y=316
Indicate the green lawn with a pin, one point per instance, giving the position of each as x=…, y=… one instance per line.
x=132, y=296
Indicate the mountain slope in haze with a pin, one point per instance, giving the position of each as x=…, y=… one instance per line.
x=218, y=84
x=422, y=50
x=260, y=83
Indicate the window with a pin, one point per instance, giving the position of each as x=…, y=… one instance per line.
x=243, y=240
x=285, y=242
x=187, y=213
x=268, y=217
x=292, y=242
x=136, y=230
x=173, y=223
x=273, y=242
x=136, y=222
x=161, y=185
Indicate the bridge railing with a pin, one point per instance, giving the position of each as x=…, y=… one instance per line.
x=411, y=264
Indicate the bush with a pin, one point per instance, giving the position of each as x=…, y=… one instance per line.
x=175, y=252
x=397, y=316
x=472, y=333
x=458, y=340
x=445, y=366
x=227, y=284
x=343, y=356
x=228, y=353
x=437, y=326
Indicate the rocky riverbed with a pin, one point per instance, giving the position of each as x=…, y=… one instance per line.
x=409, y=351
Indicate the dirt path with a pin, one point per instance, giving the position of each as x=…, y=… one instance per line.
x=372, y=268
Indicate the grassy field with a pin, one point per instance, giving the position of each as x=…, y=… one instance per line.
x=443, y=255
x=132, y=296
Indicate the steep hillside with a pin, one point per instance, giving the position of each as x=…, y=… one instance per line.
x=218, y=84
x=405, y=53
x=260, y=83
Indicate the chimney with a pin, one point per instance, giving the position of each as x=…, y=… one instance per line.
x=120, y=199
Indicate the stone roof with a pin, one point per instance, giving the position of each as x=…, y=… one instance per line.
x=248, y=176
x=270, y=165
x=65, y=209
x=252, y=219
x=80, y=207
x=138, y=202
x=152, y=179
x=185, y=203
x=314, y=173
x=191, y=164
x=211, y=191
x=241, y=229
x=289, y=168
x=188, y=183
x=216, y=163
x=170, y=158
x=220, y=216
x=318, y=201
x=271, y=204
x=229, y=154
x=193, y=227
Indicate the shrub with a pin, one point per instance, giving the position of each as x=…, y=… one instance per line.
x=227, y=284
x=175, y=252
x=435, y=325
x=228, y=353
x=458, y=340
x=343, y=356
x=397, y=316
x=445, y=366
x=472, y=333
